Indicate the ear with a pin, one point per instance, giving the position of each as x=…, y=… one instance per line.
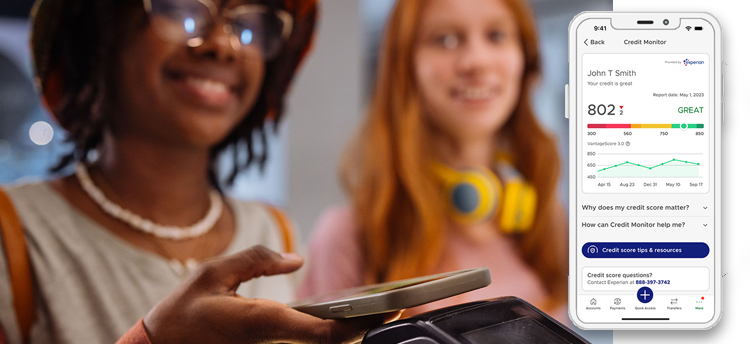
x=52, y=89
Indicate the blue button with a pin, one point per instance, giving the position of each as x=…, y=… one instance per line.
x=645, y=295
x=645, y=250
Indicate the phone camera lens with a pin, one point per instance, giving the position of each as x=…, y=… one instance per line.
x=666, y=22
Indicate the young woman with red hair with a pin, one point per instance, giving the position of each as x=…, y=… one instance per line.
x=451, y=169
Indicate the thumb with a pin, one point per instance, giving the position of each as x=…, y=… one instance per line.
x=224, y=275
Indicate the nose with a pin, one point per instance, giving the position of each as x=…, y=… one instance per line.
x=217, y=44
x=475, y=56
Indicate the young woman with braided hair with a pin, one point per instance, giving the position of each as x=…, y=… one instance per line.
x=151, y=92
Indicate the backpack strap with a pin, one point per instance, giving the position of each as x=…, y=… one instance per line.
x=19, y=268
x=285, y=226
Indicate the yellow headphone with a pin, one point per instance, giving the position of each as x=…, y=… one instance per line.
x=475, y=195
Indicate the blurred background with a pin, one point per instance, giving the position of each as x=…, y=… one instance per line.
x=326, y=103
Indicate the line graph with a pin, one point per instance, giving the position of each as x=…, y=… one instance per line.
x=673, y=168
x=648, y=167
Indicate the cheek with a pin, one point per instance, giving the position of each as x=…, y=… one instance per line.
x=425, y=72
x=512, y=65
x=140, y=61
x=138, y=74
x=141, y=77
x=433, y=76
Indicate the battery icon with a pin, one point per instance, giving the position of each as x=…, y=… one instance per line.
x=699, y=28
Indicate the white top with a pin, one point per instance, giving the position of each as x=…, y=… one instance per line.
x=92, y=286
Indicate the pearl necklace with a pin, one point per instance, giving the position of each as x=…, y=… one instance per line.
x=145, y=225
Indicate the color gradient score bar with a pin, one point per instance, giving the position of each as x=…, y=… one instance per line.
x=646, y=126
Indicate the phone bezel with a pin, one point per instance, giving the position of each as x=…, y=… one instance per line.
x=438, y=287
x=571, y=104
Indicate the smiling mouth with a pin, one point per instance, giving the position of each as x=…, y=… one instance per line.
x=473, y=94
x=208, y=86
x=203, y=90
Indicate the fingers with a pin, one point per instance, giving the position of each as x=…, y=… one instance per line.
x=393, y=316
x=304, y=328
x=353, y=330
x=226, y=273
x=201, y=318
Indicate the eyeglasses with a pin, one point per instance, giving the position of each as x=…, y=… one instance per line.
x=253, y=29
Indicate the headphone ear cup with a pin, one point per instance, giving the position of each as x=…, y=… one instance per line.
x=474, y=196
x=519, y=207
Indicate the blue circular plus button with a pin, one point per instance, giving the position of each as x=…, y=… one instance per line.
x=645, y=295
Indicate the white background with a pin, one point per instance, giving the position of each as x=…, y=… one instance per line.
x=740, y=11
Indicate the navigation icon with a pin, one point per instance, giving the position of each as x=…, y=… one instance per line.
x=645, y=295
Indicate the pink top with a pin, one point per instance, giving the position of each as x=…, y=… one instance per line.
x=136, y=335
x=336, y=262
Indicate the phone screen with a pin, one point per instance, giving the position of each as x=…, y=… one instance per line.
x=646, y=170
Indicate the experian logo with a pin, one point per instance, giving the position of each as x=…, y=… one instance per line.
x=688, y=62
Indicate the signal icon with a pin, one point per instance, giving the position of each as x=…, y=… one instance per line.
x=688, y=27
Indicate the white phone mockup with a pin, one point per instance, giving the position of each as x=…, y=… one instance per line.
x=645, y=113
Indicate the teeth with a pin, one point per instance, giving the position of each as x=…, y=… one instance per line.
x=476, y=93
x=207, y=85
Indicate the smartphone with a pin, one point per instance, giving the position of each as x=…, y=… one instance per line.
x=393, y=296
x=645, y=113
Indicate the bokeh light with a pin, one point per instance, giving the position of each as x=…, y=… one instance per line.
x=246, y=37
x=41, y=133
x=190, y=25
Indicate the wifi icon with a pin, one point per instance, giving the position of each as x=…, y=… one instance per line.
x=688, y=27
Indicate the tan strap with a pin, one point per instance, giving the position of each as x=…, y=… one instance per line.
x=19, y=269
x=285, y=225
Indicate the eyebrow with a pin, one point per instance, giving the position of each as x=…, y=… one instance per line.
x=452, y=21
x=452, y=25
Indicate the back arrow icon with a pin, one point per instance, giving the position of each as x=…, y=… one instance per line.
x=585, y=41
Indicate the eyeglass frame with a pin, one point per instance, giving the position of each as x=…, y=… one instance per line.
x=285, y=17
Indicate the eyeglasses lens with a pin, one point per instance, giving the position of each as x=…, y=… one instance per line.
x=258, y=30
x=180, y=21
x=255, y=28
